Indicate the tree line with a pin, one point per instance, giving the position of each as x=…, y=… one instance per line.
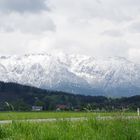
x=18, y=97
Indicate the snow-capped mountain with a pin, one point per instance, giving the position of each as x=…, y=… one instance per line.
x=73, y=73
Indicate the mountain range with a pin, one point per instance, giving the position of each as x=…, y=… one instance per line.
x=78, y=74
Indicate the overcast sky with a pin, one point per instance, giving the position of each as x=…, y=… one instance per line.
x=101, y=28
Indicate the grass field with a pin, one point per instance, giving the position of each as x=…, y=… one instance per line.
x=90, y=129
x=45, y=115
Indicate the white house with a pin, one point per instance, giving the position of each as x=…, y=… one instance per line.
x=37, y=108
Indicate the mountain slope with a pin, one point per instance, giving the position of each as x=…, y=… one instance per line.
x=73, y=73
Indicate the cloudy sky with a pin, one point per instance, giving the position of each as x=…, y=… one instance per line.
x=101, y=28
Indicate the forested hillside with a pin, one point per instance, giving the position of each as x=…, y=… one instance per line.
x=21, y=98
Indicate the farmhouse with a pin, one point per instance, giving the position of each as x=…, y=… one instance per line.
x=62, y=107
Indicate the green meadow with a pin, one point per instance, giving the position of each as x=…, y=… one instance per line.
x=90, y=129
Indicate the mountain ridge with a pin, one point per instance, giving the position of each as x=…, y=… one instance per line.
x=77, y=74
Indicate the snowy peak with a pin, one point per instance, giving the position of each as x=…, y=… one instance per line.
x=73, y=73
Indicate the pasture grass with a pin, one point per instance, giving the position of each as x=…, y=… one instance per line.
x=90, y=129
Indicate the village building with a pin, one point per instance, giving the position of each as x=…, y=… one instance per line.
x=37, y=108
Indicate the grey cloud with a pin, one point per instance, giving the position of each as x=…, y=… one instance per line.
x=26, y=23
x=22, y=5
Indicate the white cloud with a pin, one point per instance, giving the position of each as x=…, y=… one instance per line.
x=135, y=27
x=112, y=33
x=119, y=10
x=134, y=54
x=100, y=28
